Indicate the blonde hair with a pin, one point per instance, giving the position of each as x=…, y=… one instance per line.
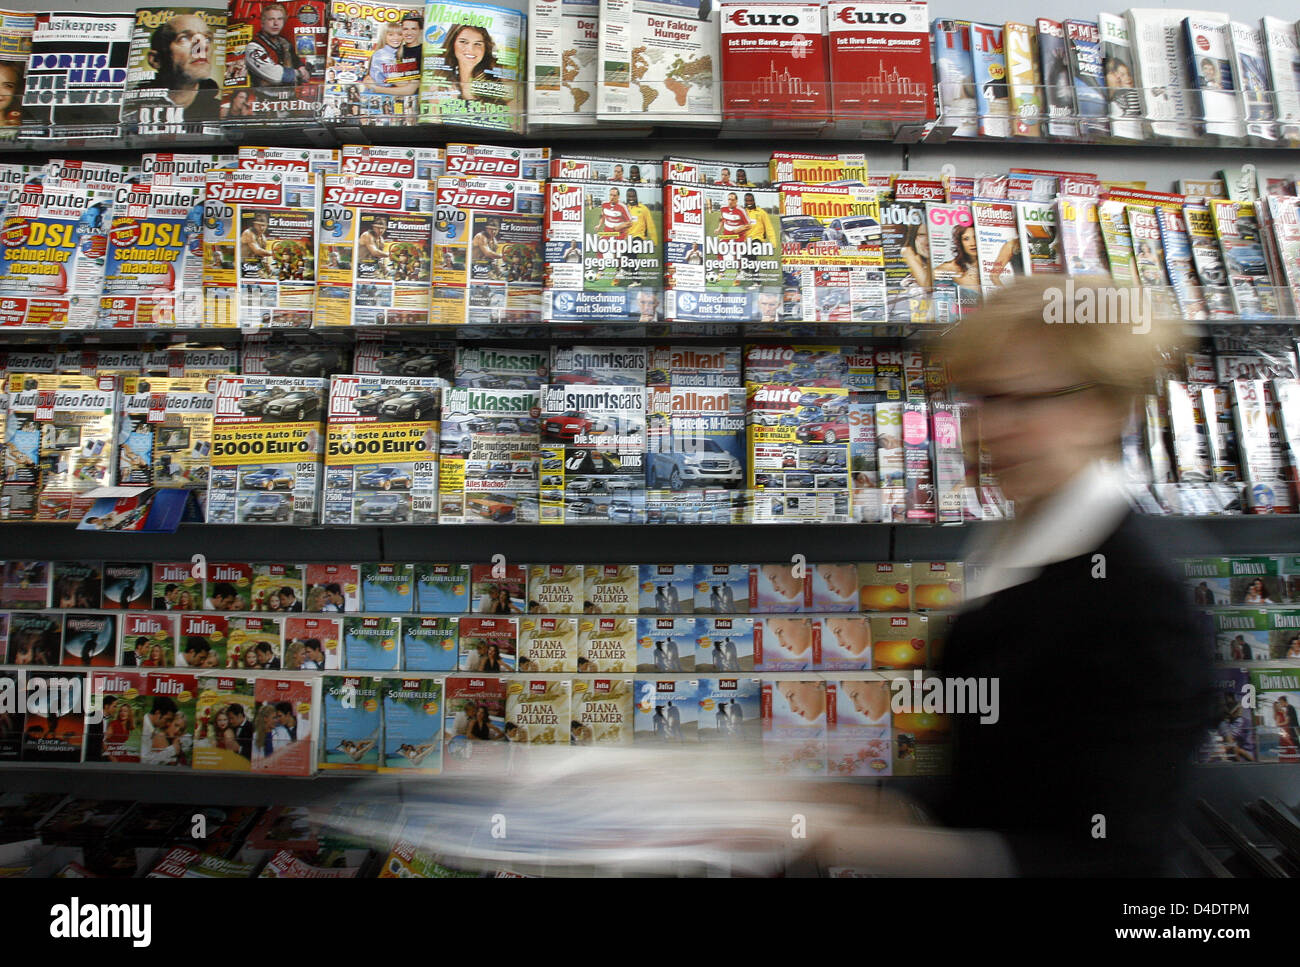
x=1094, y=336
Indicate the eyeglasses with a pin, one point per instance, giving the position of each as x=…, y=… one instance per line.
x=1025, y=399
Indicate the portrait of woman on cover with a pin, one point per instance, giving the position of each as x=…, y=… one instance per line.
x=468, y=57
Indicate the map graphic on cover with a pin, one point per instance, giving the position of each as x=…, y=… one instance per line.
x=658, y=62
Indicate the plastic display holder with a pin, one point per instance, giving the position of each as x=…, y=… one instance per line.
x=146, y=510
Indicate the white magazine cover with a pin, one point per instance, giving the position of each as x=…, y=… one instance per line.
x=659, y=61
x=1212, y=73
x=563, y=45
x=1156, y=36
x=1254, y=85
x=1282, y=46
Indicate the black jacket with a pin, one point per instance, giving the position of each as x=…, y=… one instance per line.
x=1103, y=698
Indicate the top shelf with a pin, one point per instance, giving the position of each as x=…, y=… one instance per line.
x=959, y=124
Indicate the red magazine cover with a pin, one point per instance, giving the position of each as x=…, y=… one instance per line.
x=774, y=63
x=282, y=727
x=880, y=60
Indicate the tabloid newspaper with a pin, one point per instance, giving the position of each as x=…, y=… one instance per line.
x=658, y=61
x=603, y=252
x=721, y=257
x=259, y=248
x=376, y=246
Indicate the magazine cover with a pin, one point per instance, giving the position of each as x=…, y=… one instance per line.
x=176, y=587
x=954, y=70
x=277, y=587
x=905, y=243
x=1187, y=431
x=371, y=643
x=1207, y=261
x=224, y=729
x=787, y=644
x=586, y=364
x=724, y=644
x=899, y=641
x=696, y=459
x=54, y=727
x=992, y=93
x=1262, y=465
x=1058, y=84
x=996, y=243
x=665, y=644
x=1285, y=211
x=1282, y=46
x=1209, y=48
x=666, y=712
x=473, y=726
x=834, y=587
x=794, y=727
x=775, y=74
x=76, y=77
x=487, y=251
x=548, y=643
x=1087, y=69
x=77, y=584
x=563, y=44
x=721, y=257
x=1159, y=55
x=390, y=416
x=722, y=588
x=1277, y=722
x=635, y=171
x=1177, y=247
x=954, y=266
x=257, y=420
x=1242, y=634
x=421, y=163
x=667, y=588
x=602, y=712
x=387, y=587
x=488, y=645
x=373, y=62
x=1024, y=79
x=259, y=248
x=350, y=729
x=413, y=710
x=607, y=643
x=846, y=642
x=275, y=60
x=798, y=453
x=611, y=589
x=16, y=29
x=1112, y=218
x=120, y=699
x=1123, y=100
x=750, y=173
x=1237, y=228
x=332, y=588
x=493, y=368
x=473, y=67
x=603, y=252
x=1148, y=253
x=442, y=588
x=885, y=586
x=1254, y=83
x=880, y=69
x=312, y=643
x=806, y=168
x=174, y=70
x=282, y=726
x=1039, y=238
x=147, y=640
x=153, y=273
x=475, y=160
x=1082, y=251
x=831, y=252
x=595, y=438
x=1217, y=408
x=89, y=639
x=52, y=272
x=859, y=729
x=537, y=712
x=489, y=456
x=659, y=62
x=555, y=588
x=376, y=244
x=165, y=432
x=685, y=365
x=430, y=643
x=59, y=445
x=35, y=638
x=321, y=161
x=729, y=710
